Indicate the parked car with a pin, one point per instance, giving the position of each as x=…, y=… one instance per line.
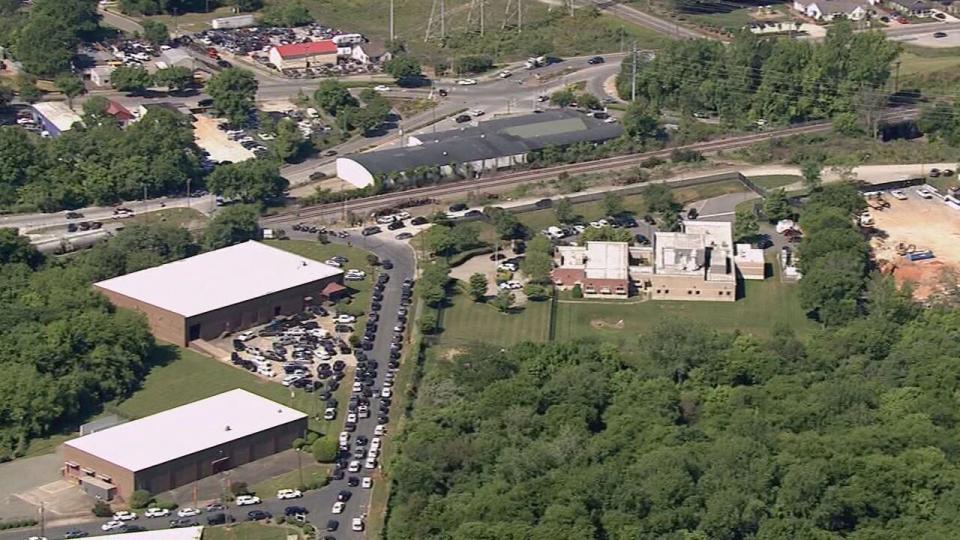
x=337, y=508
x=356, y=524
x=366, y=482
x=124, y=515
x=289, y=494
x=466, y=82
x=899, y=195
x=595, y=60
x=257, y=515
x=244, y=500
x=111, y=525
x=462, y=118
x=924, y=193
x=72, y=533
x=187, y=512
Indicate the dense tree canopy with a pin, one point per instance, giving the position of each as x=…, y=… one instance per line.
x=251, y=181
x=45, y=40
x=66, y=350
x=692, y=434
x=100, y=164
x=233, y=91
x=780, y=80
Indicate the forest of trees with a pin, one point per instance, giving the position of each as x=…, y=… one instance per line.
x=101, y=164
x=693, y=435
x=843, y=77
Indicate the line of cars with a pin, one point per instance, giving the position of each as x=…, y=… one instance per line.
x=360, y=453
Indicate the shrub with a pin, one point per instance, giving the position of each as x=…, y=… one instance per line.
x=536, y=292
x=681, y=155
x=239, y=488
x=325, y=449
x=279, y=520
x=577, y=292
x=168, y=505
x=312, y=437
x=17, y=524
x=428, y=323
x=102, y=509
x=651, y=162
x=298, y=443
x=140, y=498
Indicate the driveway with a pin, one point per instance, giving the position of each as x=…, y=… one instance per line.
x=723, y=207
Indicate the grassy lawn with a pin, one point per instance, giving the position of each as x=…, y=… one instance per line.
x=913, y=63
x=181, y=217
x=467, y=322
x=775, y=181
x=250, y=531
x=942, y=183
x=312, y=472
x=763, y=304
x=191, y=22
x=732, y=20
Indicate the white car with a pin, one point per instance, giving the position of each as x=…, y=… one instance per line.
x=354, y=466
x=330, y=414
x=344, y=437
x=467, y=82
x=289, y=494
x=345, y=319
x=356, y=524
x=371, y=463
x=610, y=120
x=337, y=507
x=355, y=272
x=111, y=525
x=379, y=430
x=579, y=228
x=386, y=392
x=366, y=482
x=123, y=515
x=386, y=220
x=375, y=442
x=357, y=387
x=156, y=512
x=188, y=512
x=504, y=74
x=899, y=195
x=351, y=418
x=510, y=267
x=247, y=336
x=331, y=262
x=478, y=112
x=924, y=193
x=404, y=215
x=244, y=500
x=381, y=88
x=290, y=379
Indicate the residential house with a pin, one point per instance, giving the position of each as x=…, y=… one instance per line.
x=371, y=52
x=123, y=115
x=915, y=8
x=828, y=10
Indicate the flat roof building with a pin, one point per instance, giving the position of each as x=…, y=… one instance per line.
x=55, y=117
x=181, y=533
x=750, y=262
x=228, y=289
x=304, y=55
x=181, y=445
x=491, y=145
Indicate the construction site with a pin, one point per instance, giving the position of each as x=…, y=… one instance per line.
x=917, y=238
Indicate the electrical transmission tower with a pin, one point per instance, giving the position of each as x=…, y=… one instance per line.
x=438, y=13
x=514, y=9
x=475, y=16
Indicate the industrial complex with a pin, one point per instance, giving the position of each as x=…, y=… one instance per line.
x=226, y=290
x=181, y=445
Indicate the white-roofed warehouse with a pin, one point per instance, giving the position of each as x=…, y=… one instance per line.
x=229, y=289
x=181, y=445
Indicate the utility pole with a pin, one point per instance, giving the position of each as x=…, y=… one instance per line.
x=482, y=2
x=42, y=522
x=896, y=80
x=392, y=35
x=519, y=16
x=443, y=19
x=633, y=79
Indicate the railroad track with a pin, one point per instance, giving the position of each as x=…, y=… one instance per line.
x=363, y=205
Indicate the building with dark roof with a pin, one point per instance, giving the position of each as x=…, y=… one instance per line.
x=495, y=144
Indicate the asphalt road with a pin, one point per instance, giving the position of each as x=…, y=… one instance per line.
x=317, y=502
x=104, y=213
x=635, y=16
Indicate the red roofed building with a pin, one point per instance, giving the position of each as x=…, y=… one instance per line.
x=119, y=112
x=304, y=55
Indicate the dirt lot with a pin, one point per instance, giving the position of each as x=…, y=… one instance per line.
x=216, y=142
x=926, y=224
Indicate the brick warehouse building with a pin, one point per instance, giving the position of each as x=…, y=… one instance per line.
x=181, y=445
x=229, y=289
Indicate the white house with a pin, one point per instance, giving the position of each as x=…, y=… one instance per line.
x=827, y=10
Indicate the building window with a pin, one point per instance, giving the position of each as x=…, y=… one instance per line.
x=689, y=292
x=277, y=310
x=721, y=293
x=698, y=292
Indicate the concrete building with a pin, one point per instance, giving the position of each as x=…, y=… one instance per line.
x=55, y=117
x=469, y=151
x=180, y=533
x=181, y=445
x=304, y=55
x=696, y=264
x=178, y=58
x=229, y=289
x=100, y=75
x=750, y=262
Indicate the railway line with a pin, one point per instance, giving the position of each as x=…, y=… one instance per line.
x=363, y=206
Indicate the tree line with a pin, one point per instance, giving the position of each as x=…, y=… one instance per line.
x=773, y=80
x=692, y=434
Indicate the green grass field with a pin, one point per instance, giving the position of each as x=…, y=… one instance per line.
x=312, y=472
x=250, y=531
x=467, y=322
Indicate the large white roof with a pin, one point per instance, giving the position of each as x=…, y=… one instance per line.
x=218, y=279
x=58, y=113
x=184, y=533
x=183, y=430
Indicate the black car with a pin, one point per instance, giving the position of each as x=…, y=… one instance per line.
x=71, y=227
x=419, y=220
x=692, y=213
x=131, y=528
x=383, y=420
x=595, y=60
x=457, y=207
x=398, y=224
x=224, y=64
x=443, y=92
x=648, y=219
x=217, y=519
x=368, y=231
x=353, y=481
x=460, y=119
x=75, y=533
x=257, y=515
x=294, y=510
x=387, y=264
x=332, y=525
x=642, y=240
x=189, y=522
x=208, y=102
x=344, y=496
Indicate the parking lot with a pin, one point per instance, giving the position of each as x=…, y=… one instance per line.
x=216, y=142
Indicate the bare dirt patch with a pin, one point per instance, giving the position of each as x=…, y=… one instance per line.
x=601, y=324
x=923, y=224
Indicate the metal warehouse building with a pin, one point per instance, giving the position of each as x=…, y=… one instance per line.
x=225, y=290
x=181, y=445
x=491, y=145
